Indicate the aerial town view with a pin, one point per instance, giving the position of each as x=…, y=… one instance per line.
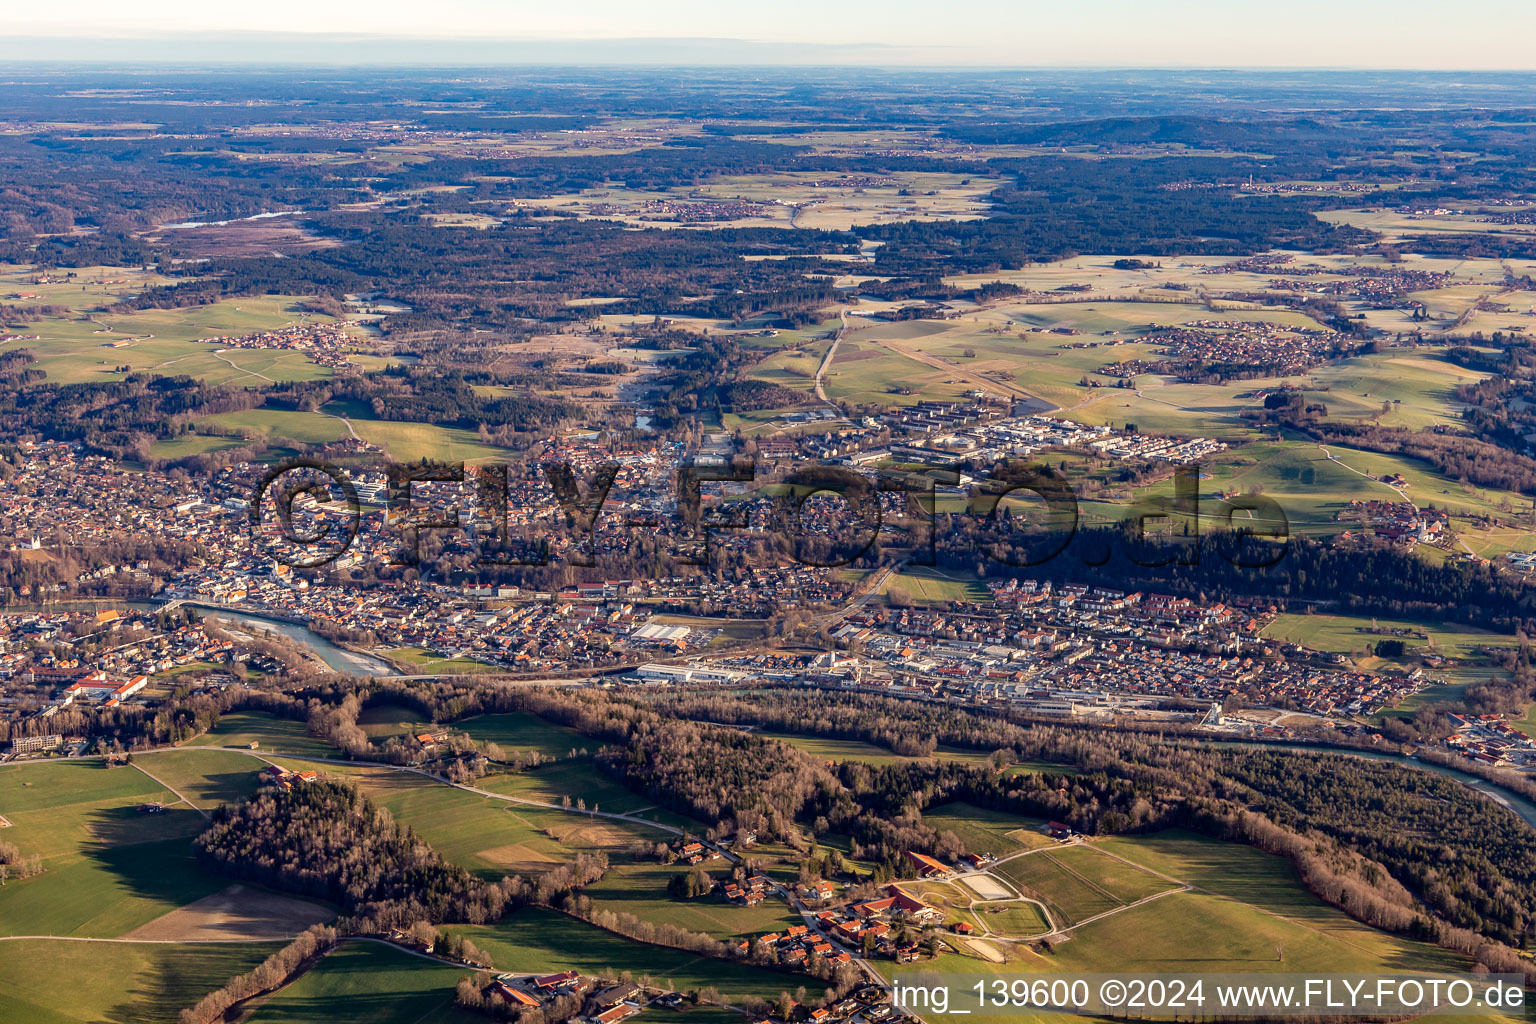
x=570, y=515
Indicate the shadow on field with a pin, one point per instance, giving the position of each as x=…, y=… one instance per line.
x=150, y=853
x=177, y=977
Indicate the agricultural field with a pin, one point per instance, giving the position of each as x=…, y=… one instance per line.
x=307, y=427
x=237, y=913
x=805, y=200
x=407, y=442
x=1244, y=904
x=1418, y=383
x=1468, y=651
x=126, y=983
x=1356, y=635
x=336, y=421
x=77, y=289
x=539, y=940
x=1313, y=484
x=1527, y=724
x=268, y=732
x=368, y=983
x=109, y=866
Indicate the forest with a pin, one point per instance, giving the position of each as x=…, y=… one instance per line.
x=326, y=840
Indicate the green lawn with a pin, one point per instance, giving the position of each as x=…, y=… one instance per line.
x=369, y=983
x=534, y=939
x=922, y=585
x=52, y=982
x=270, y=734
x=109, y=866
x=1016, y=919
x=1527, y=724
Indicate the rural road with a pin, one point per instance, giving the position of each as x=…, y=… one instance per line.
x=162, y=783
x=826, y=360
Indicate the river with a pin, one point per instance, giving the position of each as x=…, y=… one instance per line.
x=339, y=659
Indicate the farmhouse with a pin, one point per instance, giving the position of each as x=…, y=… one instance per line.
x=515, y=997
x=556, y=982
x=926, y=866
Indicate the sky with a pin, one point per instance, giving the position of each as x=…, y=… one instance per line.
x=1476, y=34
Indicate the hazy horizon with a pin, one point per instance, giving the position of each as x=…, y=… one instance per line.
x=1307, y=34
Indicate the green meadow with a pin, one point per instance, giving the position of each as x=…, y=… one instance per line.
x=381, y=721
x=109, y=867
x=125, y=983
x=641, y=889
x=576, y=780
x=837, y=750
x=984, y=831
x=1247, y=912
x=519, y=731
x=80, y=348
x=495, y=837
x=1078, y=883
x=368, y=983
x=539, y=940
x=207, y=778
x=268, y=732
